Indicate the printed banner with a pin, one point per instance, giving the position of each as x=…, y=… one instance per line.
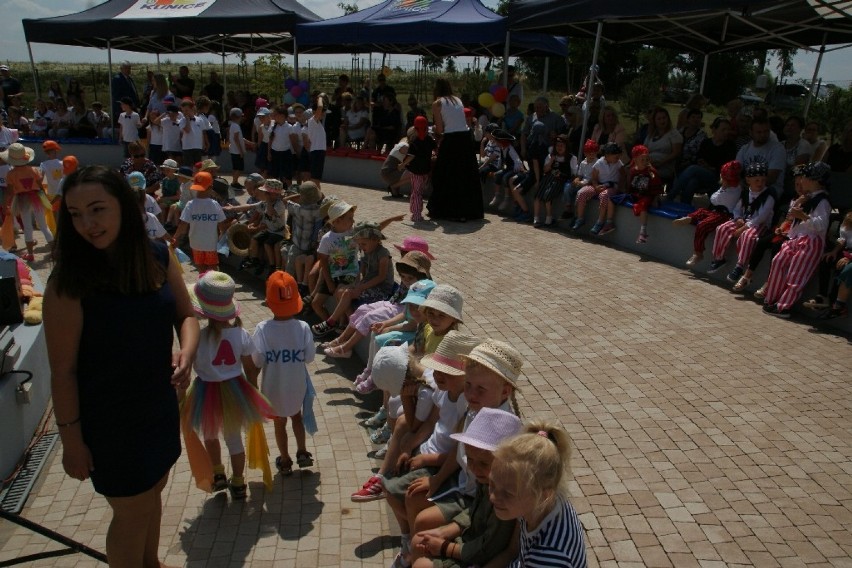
x=142, y=9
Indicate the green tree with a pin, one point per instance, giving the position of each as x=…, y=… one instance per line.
x=348, y=8
x=433, y=63
x=833, y=112
x=638, y=96
x=451, y=66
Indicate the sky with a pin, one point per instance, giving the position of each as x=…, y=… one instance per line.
x=836, y=66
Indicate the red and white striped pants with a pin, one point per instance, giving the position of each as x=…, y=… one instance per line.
x=745, y=243
x=706, y=221
x=791, y=269
x=418, y=183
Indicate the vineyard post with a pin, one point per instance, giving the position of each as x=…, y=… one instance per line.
x=35, y=73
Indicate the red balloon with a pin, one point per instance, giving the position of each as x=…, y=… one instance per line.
x=501, y=94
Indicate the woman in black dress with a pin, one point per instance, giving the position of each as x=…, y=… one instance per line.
x=111, y=307
x=456, y=191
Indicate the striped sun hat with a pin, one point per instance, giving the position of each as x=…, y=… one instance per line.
x=213, y=297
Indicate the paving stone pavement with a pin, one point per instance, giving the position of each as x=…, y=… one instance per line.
x=705, y=432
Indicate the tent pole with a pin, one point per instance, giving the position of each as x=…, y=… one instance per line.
x=158, y=63
x=111, y=97
x=704, y=73
x=33, y=67
x=814, y=78
x=224, y=77
x=295, y=58
x=592, y=77
x=506, y=62
x=546, y=74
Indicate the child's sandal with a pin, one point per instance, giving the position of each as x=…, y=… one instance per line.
x=285, y=467
x=304, y=459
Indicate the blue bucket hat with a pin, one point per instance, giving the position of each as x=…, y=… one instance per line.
x=137, y=180
x=418, y=292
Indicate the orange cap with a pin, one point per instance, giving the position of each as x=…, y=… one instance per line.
x=201, y=182
x=69, y=165
x=282, y=295
x=51, y=145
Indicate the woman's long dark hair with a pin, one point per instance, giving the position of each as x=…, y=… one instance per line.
x=81, y=269
x=443, y=88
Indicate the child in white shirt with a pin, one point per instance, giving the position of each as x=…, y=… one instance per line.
x=128, y=125
x=203, y=218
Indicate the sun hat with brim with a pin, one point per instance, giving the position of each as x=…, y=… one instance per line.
x=263, y=111
x=272, y=185
x=447, y=357
x=339, y=209
x=185, y=172
x=170, y=165
x=309, y=193
x=417, y=261
x=503, y=135
x=326, y=204
x=18, y=155
x=209, y=164
x=389, y=367
x=488, y=428
x=282, y=295
x=367, y=230
x=137, y=180
x=239, y=239
x=499, y=357
x=411, y=243
x=213, y=297
x=201, y=181
x=446, y=300
x=418, y=292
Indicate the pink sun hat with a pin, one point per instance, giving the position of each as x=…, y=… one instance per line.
x=411, y=243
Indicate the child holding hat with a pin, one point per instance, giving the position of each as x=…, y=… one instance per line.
x=284, y=346
x=203, y=218
x=475, y=536
x=24, y=194
x=221, y=400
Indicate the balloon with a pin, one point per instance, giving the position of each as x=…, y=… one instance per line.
x=304, y=98
x=289, y=98
x=498, y=110
x=486, y=100
x=289, y=82
x=501, y=94
x=304, y=86
x=493, y=88
x=491, y=75
x=296, y=90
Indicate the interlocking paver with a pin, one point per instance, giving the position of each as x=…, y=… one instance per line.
x=705, y=433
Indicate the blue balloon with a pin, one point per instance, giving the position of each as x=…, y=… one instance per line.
x=304, y=85
x=304, y=98
x=289, y=82
x=493, y=88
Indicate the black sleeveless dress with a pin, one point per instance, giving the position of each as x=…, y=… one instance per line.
x=128, y=407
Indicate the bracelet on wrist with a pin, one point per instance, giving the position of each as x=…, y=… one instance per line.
x=444, y=546
x=67, y=424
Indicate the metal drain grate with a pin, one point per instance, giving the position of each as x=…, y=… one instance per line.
x=13, y=499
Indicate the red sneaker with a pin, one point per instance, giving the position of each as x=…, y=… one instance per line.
x=370, y=491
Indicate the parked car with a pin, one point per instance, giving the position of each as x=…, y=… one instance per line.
x=749, y=98
x=789, y=96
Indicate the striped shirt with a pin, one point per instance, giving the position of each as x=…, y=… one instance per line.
x=558, y=541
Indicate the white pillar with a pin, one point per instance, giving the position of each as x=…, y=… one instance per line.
x=592, y=78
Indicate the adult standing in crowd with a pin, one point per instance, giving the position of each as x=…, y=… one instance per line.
x=839, y=154
x=159, y=92
x=214, y=90
x=123, y=86
x=116, y=405
x=377, y=97
x=183, y=85
x=456, y=193
x=9, y=86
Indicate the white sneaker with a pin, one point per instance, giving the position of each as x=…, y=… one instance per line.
x=694, y=259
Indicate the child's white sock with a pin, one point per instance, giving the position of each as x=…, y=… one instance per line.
x=643, y=229
x=548, y=220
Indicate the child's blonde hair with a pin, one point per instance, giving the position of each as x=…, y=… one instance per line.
x=216, y=327
x=538, y=460
x=847, y=220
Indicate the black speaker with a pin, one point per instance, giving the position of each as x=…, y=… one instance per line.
x=11, y=309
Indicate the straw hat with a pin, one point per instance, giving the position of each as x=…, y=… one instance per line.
x=389, y=367
x=488, y=428
x=213, y=297
x=411, y=243
x=18, y=155
x=282, y=295
x=418, y=261
x=209, y=164
x=309, y=193
x=499, y=357
x=368, y=230
x=239, y=239
x=447, y=357
x=339, y=209
x=446, y=300
x=201, y=182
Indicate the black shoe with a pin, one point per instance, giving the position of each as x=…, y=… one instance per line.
x=238, y=492
x=735, y=274
x=567, y=215
x=774, y=311
x=716, y=265
x=220, y=482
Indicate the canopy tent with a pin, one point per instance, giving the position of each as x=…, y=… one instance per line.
x=702, y=26
x=177, y=26
x=424, y=27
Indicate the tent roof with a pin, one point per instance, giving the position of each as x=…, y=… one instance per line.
x=177, y=26
x=425, y=27
x=703, y=26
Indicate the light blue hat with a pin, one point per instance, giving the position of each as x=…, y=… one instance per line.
x=418, y=292
x=137, y=180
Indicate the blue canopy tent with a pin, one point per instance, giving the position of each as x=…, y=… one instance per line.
x=424, y=27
